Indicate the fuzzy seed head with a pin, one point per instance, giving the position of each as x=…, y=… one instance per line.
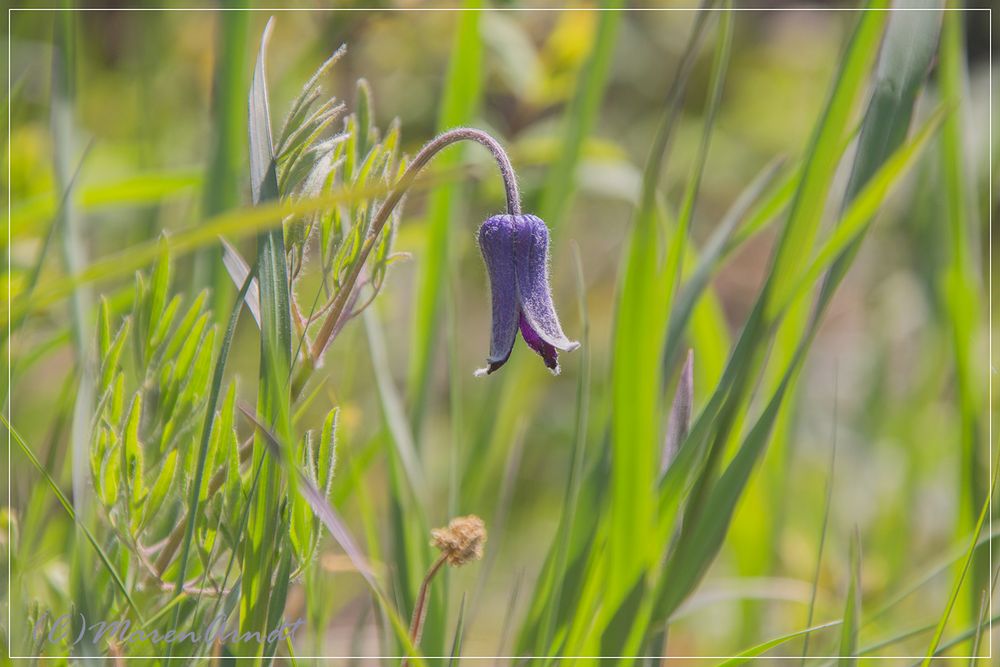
x=462, y=541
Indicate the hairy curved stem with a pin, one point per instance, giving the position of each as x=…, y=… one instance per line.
x=420, y=160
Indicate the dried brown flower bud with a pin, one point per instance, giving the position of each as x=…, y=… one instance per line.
x=462, y=540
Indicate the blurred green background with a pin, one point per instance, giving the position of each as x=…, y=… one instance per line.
x=879, y=381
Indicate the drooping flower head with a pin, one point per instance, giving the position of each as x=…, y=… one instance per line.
x=516, y=250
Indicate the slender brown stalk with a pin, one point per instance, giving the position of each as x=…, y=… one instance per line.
x=420, y=161
x=420, y=610
x=460, y=542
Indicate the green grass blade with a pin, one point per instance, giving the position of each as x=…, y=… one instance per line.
x=754, y=651
x=702, y=538
x=802, y=229
x=279, y=593
x=962, y=637
x=874, y=648
x=852, y=608
x=964, y=568
x=206, y=431
x=68, y=506
x=392, y=407
x=20, y=361
x=409, y=500
x=720, y=65
x=745, y=206
x=858, y=216
x=728, y=402
x=827, y=502
x=568, y=516
x=623, y=627
x=233, y=225
x=980, y=622
x=456, y=642
x=936, y=571
x=907, y=53
x=960, y=287
x=273, y=398
x=639, y=325
x=143, y=189
x=69, y=222
x=224, y=177
x=581, y=115
x=239, y=270
x=458, y=107
x=263, y=171
x=330, y=519
x=826, y=147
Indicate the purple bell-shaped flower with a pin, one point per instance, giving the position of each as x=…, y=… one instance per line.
x=516, y=250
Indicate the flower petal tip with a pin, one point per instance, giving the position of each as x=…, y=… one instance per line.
x=489, y=370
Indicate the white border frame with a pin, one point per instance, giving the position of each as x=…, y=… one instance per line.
x=990, y=368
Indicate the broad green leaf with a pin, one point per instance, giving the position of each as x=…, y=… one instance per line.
x=109, y=360
x=194, y=385
x=182, y=333
x=110, y=478
x=157, y=296
x=117, y=403
x=301, y=527
x=327, y=454
x=364, y=112
x=132, y=456
x=222, y=429
x=161, y=487
x=103, y=330
x=165, y=324
x=183, y=362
